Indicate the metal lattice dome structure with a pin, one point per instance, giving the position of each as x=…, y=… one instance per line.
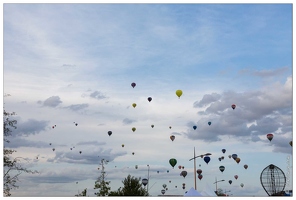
x=273, y=180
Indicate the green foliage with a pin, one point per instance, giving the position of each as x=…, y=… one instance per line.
x=131, y=187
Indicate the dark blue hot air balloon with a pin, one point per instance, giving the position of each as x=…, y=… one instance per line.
x=194, y=127
x=234, y=156
x=209, y=123
x=207, y=159
x=223, y=150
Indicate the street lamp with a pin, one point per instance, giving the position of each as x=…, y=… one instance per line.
x=148, y=178
x=216, y=184
x=194, y=157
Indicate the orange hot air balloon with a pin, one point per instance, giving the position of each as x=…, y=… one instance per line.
x=237, y=160
x=269, y=136
x=172, y=137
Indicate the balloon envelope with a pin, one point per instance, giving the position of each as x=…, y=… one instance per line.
x=234, y=156
x=162, y=191
x=200, y=176
x=184, y=173
x=173, y=162
x=246, y=166
x=133, y=84
x=109, y=133
x=199, y=171
x=223, y=150
x=152, y=125
x=179, y=93
x=144, y=181
x=149, y=99
x=291, y=142
x=194, y=127
x=172, y=137
x=209, y=123
x=134, y=105
x=133, y=129
x=269, y=136
x=235, y=176
x=207, y=159
x=222, y=168
x=233, y=106
x=237, y=160
x=230, y=181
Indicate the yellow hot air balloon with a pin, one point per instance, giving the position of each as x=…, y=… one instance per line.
x=179, y=93
x=134, y=105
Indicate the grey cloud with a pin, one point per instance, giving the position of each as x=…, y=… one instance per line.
x=207, y=99
x=97, y=95
x=76, y=107
x=128, y=121
x=53, y=101
x=17, y=142
x=91, y=143
x=29, y=127
x=87, y=156
x=269, y=110
x=265, y=73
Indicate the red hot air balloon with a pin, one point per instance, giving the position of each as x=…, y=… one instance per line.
x=149, y=99
x=200, y=176
x=235, y=176
x=233, y=106
x=269, y=136
x=133, y=85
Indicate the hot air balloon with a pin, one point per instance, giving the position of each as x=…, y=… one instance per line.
x=133, y=153
x=152, y=125
x=179, y=166
x=237, y=160
x=230, y=181
x=170, y=181
x=136, y=166
x=149, y=99
x=158, y=172
x=182, y=167
x=80, y=152
x=194, y=127
x=162, y=191
x=233, y=106
x=109, y=133
x=246, y=166
x=70, y=148
x=207, y=159
x=172, y=137
x=229, y=156
x=223, y=150
x=183, y=186
x=234, y=156
x=291, y=142
x=199, y=171
x=176, y=186
x=164, y=186
x=75, y=123
x=53, y=149
x=222, y=157
x=122, y=145
x=173, y=162
x=200, y=176
x=269, y=136
x=222, y=168
x=209, y=123
x=49, y=143
x=168, y=171
x=144, y=181
x=170, y=127
x=133, y=129
x=242, y=185
x=134, y=105
x=235, y=176
x=219, y=159
x=184, y=173
x=179, y=93
x=133, y=85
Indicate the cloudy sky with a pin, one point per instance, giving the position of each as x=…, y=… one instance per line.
x=74, y=63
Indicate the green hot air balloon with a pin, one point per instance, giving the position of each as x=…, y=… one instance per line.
x=173, y=162
x=179, y=93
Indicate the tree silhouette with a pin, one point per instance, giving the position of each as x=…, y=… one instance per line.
x=100, y=183
x=12, y=167
x=131, y=187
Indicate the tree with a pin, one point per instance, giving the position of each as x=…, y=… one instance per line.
x=131, y=187
x=11, y=166
x=100, y=183
x=83, y=193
